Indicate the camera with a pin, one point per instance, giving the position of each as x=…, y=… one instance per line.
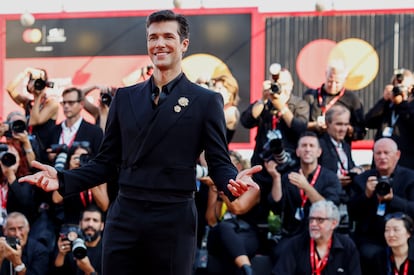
x=73, y=234
x=352, y=174
x=17, y=126
x=107, y=95
x=84, y=159
x=398, y=90
x=273, y=150
x=40, y=84
x=62, y=155
x=8, y=159
x=275, y=88
x=383, y=186
x=12, y=242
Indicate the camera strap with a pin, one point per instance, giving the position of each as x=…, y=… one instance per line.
x=4, y=190
x=83, y=199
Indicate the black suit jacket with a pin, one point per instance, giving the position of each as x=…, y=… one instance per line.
x=86, y=132
x=329, y=157
x=157, y=149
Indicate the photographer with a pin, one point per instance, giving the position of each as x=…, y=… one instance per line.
x=384, y=189
x=393, y=116
x=78, y=155
x=20, y=254
x=15, y=130
x=41, y=110
x=293, y=193
x=100, y=111
x=15, y=196
x=91, y=226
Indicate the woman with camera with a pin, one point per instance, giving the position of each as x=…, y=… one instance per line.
x=41, y=110
x=398, y=257
x=15, y=196
x=78, y=155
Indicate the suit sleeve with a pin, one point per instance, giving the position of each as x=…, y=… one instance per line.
x=221, y=170
x=103, y=168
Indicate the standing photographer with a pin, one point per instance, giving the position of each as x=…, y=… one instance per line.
x=384, y=189
x=20, y=254
x=278, y=114
x=100, y=111
x=393, y=116
x=41, y=110
x=91, y=225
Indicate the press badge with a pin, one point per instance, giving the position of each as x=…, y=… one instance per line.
x=321, y=120
x=381, y=209
x=387, y=132
x=299, y=214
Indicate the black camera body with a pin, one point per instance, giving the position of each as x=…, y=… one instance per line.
x=40, y=84
x=273, y=150
x=12, y=242
x=275, y=88
x=8, y=159
x=17, y=126
x=84, y=159
x=398, y=90
x=73, y=234
x=383, y=186
x=106, y=98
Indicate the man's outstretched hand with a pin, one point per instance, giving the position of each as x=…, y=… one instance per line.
x=244, y=181
x=45, y=179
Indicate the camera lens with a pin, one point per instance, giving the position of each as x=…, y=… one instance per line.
x=18, y=126
x=8, y=159
x=79, y=249
x=39, y=84
x=383, y=186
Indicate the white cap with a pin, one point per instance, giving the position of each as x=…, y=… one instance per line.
x=275, y=68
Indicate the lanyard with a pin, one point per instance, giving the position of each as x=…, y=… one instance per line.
x=406, y=264
x=316, y=264
x=394, y=118
x=3, y=193
x=72, y=139
x=83, y=199
x=324, y=107
x=275, y=120
x=312, y=183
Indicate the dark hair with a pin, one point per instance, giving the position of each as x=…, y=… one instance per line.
x=168, y=15
x=309, y=134
x=408, y=221
x=93, y=208
x=73, y=89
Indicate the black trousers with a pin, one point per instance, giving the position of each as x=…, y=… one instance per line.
x=151, y=238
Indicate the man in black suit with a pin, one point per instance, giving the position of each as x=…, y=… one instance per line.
x=336, y=156
x=155, y=132
x=75, y=127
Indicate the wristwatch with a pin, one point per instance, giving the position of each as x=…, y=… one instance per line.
x=20, y=267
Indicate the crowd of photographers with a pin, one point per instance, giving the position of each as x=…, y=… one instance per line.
x=303, y=143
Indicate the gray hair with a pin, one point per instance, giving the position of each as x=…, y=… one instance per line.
x=16, y=215
x=328, y=207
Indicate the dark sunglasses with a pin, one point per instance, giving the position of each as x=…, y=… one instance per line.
x=395, y=215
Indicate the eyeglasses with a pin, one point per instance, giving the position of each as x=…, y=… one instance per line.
x=70, y=102
x=319, y=220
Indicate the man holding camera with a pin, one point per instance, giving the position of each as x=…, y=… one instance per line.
x=393, y=116
x=18, y=252
x=83, y=254
x=384, y=189
x=41, y=109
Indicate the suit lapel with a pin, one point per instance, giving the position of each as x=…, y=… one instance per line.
x=168, y=113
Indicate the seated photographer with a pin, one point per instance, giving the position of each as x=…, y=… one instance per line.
x=20, y=254
x=384, y=189
x=294, y=192
x=41, y=109
x=233, y=237
x=99, y=111
x=319, y=249
x=80, y=248
x=79, y=154
x=15, y=196
x=393, y=116
x=398, y=257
